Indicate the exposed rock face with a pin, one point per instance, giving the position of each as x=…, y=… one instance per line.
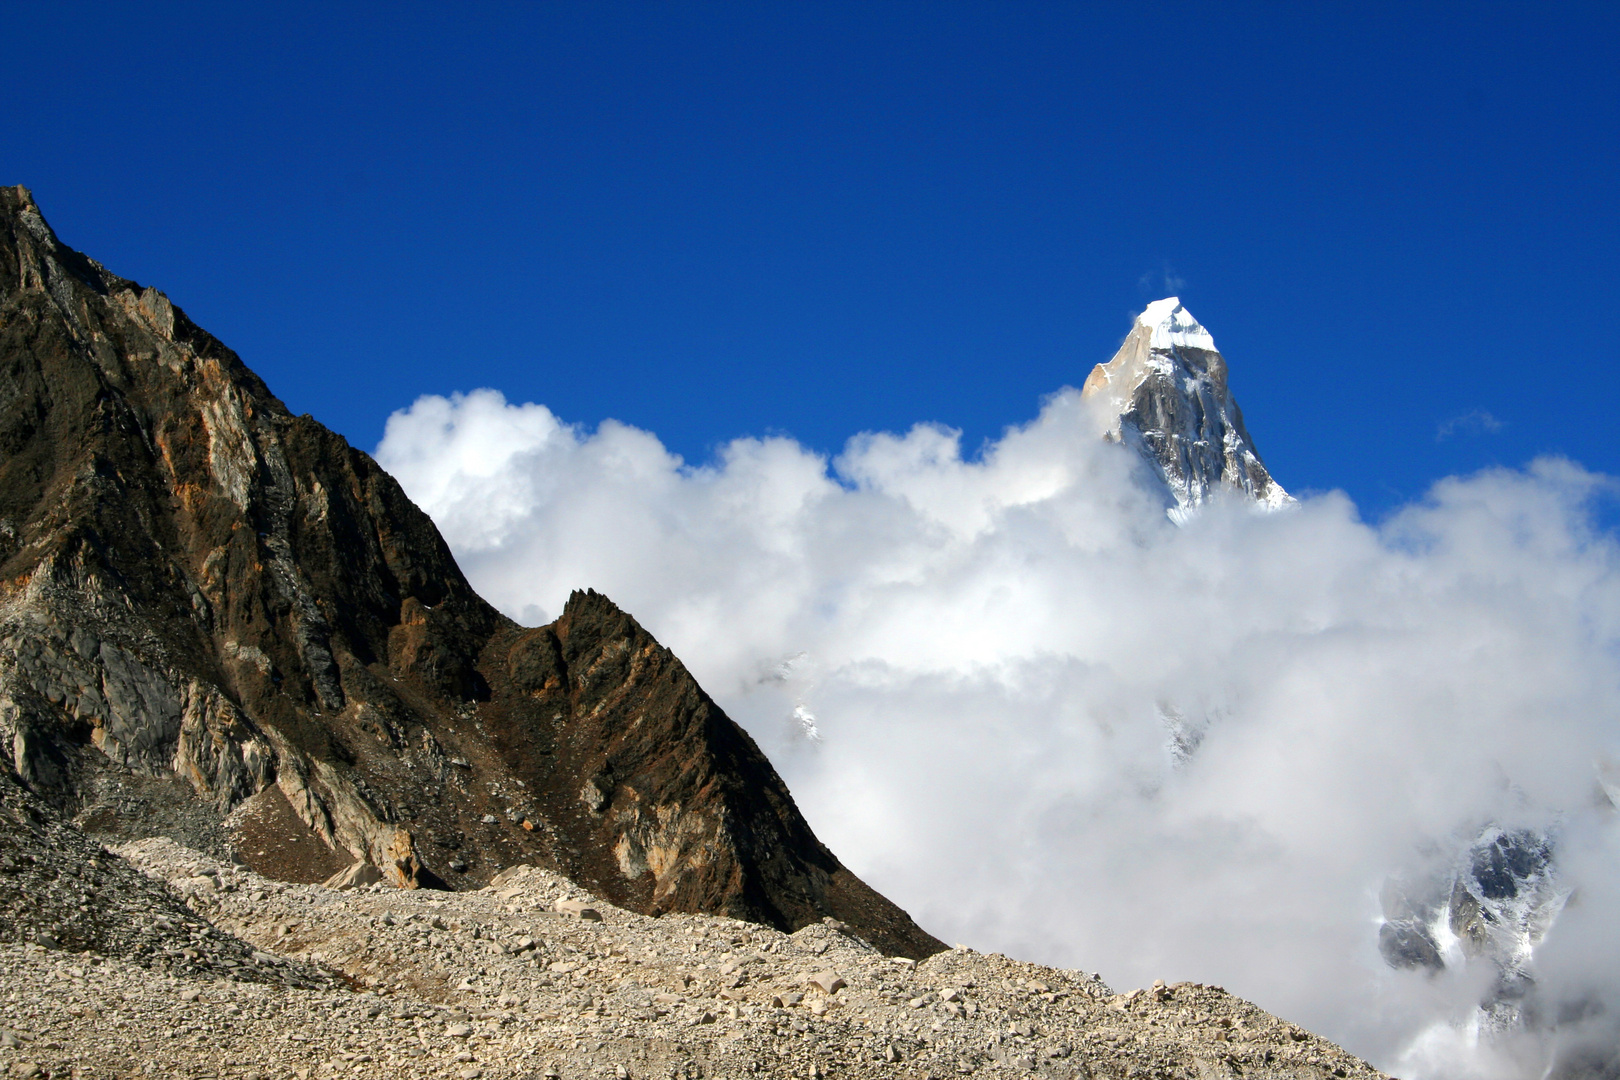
x=1166, y=391
x=1494, y=906
x=208, y=602
x=1497, y=904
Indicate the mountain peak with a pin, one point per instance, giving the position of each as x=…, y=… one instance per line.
x=1172, y=326
x=1165, y=392
x=20, y=195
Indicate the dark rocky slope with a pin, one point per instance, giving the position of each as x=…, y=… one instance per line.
x=220, y=622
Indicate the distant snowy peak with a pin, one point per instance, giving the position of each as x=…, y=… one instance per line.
x=1166, y=394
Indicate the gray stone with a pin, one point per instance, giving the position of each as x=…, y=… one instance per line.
x=579, y=909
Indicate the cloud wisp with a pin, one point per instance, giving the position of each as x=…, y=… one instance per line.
x=1018, y=700
x=1474, y=422
x=1162, y=282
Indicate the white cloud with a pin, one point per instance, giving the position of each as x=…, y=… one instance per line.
x=991, y=655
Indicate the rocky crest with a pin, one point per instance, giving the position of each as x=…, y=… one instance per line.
x=222, y=623
x=1166, y=395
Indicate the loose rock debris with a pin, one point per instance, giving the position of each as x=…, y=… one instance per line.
x=516, y=980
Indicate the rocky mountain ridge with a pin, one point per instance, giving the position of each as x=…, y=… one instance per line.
x=221, y=623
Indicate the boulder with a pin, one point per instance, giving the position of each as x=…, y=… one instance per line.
x=359, y=876
x=579, y=909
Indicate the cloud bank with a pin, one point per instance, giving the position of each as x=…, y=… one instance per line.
x=1020, y=702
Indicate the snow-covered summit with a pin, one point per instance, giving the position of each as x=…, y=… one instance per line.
x=1172, y=326
x=1165, y=393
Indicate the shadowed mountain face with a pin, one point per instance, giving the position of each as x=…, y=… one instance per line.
x=221, y=622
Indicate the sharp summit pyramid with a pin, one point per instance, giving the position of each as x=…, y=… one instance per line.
x=1166, y=392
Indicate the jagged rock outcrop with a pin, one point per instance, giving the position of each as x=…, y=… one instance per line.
x=1165, y=394
x=1492, y=907
x=221, y=622
x=1495, y=905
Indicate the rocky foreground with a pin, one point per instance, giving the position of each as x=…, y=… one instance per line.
x=532, y=977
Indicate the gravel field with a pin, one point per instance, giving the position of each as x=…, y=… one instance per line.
x=531, y=977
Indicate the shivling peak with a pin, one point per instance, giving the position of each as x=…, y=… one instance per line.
x=1165, y=393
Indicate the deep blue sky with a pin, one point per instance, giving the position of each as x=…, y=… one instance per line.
x=716, y=220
